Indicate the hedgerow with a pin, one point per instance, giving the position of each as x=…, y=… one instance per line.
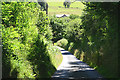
x=58, y=26
x=26, y=37
x=94, y=38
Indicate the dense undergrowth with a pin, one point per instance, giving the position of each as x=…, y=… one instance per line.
x=93, y=37
x=26, y=37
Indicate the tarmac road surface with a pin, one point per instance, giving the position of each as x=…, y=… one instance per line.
x=72, y=68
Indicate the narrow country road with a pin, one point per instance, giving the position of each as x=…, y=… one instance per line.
x=72, y=68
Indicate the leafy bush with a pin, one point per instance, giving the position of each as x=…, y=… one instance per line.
x=62, y=43
x=26, y=37
x=73, y=16
x=73, y=30
x=58, y=26
x=17, y=37
x=65, y=28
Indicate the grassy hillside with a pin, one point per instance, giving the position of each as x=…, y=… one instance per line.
x=58, y=8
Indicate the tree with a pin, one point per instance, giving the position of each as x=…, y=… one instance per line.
x=44, y=5
x=67, y=3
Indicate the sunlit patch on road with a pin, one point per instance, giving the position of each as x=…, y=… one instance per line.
x=72, y=68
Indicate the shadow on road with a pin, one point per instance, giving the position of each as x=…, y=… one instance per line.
x=72, y=68
x=64, y=52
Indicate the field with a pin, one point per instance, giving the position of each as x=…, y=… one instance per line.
x=58, y=8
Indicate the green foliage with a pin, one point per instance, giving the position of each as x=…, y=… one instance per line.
x=58, y=26
x=26, y=37
x=66, y=28
x=44, y=5
x=94, y=37
x=73, y=30
x=62, y=43
x=17, y=38
x=100, y=24
x=67, y=3
x=43, y=27
x=55, y=55
x=99, y=29
x=73, y=16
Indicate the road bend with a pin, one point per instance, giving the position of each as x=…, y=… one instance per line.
x=72, y=68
